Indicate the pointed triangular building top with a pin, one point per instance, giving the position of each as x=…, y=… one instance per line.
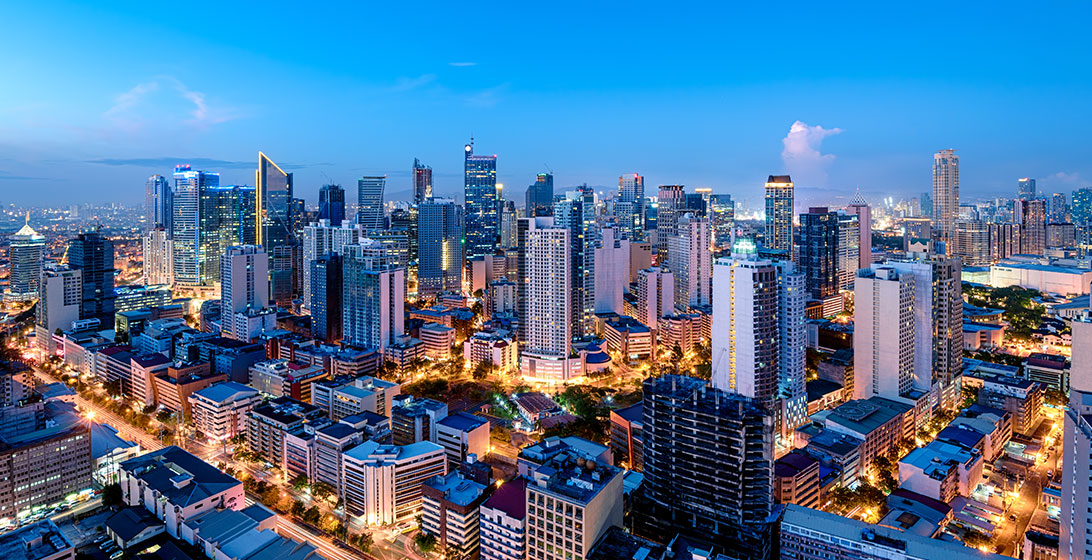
x=857, y=199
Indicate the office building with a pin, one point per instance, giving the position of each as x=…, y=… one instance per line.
x=267, y=425
x=690, y=261
x=655, y=296
x=244, y=293
x=818, y=252
x=219, y=410
x=540, y=196
x=945, y=194
x=326, y=277
x=883, y=336
x=185, y=230
x=1076, y=465
x=509, y=225
x=176, y=486
x=373, y=296
x=779, y=212
x=612, y=258
x=461, y=435
x=369, y=210
x=971, y=243
x=548, y=313
x=225, y=218
x=796, y=480
x=629, y=206
x=1081, y=208
x=480, y=196
x=340, y=399
x=450, y=511
x=570, y=491
x=1030, y=217
x=158, y=203
x=670, y=205
x=26, y=263
x=383, y=483
x=93, y=255
x=708, y=465
x=332, y=204
x=422, y=182
x=415, y=419
x=1025, y=188
x=859, y=207
x=503, y=522
x=321, y=238
x=158, y=257
x=59, y=303
x=575, y=211
x=441, y=248
x=273, y=192
x=722, y=220
x=626, y=436
x=1059, y=210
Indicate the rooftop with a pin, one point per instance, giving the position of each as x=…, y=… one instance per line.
x=572, y=476
x=865, y=416
x=226, y=391
x=178, y=476
x=620, y=545
x=511, y=498
x=535, y=402
x=374, y=450
x=632, y=413
x=456, y=488
x=33, y=542
x=105, y=440
x=463, y=421
x=130, y=522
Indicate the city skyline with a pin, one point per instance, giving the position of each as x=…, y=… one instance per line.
x=710, y=113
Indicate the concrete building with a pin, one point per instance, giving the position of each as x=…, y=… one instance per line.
x=941, y=470
x=441, y=246
x=690, y=259
x=945, y=193
x=416, y=419
x=655, y=295
x=626, y=436
x=244, y=293
x=438, y=340
x=383, y=483
x=567, y=491
x=267, y=425
x=611, y=270
x=42, y=540
x=883, y=333
x=219, y=410
x=339, y=399
x=58, y=304
x=282, y=378
x=462, y=434
x=796, y=480
x=503, y=522
x=549, y=314
x=1052, y=279
x=493, y=348
x=630, y=339
x=450, y=511
x=176, y=486
x=779, y=212
x=373, y=297
x=882, y=424
x=1021, y=398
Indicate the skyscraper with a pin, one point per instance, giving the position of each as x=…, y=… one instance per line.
x=972, y=242
x=945, y=194
x=158, y=257
x=818, y=251
x=859, y=207
x=883, y=333
x=670, y=204
x=629, y=208
x=373, y=296
x=540, y=196
x=157, y=201
x=779, y=210
x=655, y=295
x=549, y=304
x=480, y=196
x=722, y=220
x=1081, y=208
x=332, y=204
x=1030, y=216
x=1075, y=520
x=575, y=211
x=186, y=223
x=612, y=257
x=26, y=263
x=319, y=239
x=422, y=182
x=690, y=260
x=708, y=466
x=60, y=301
x=1059, y=210
x=273, y=203
x=369, y=210
x=440, y=247
x=225, y=218
x=1025, y=188
x=325, y=283
x=509, y=225
x=244, y=292
x=93, y=255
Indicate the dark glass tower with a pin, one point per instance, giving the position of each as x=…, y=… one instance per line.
x=575, y=211
x=332, y=204
x=540, y=196
x=422, y=182
x=93, y=255
x=440, y=247
x=273, y=203
x=480, y=194
x=326, y=283
x=819, y=252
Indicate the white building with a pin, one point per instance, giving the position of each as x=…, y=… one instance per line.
x=451, y=512
x=382, y=483
x=364, y=394
x=462, y=434
x=945, y=193
x=1076, y=465
x=244, y=293
x=219, y=410
x=1051, y=279
x=503, y=522
x=320, y=238
x=158, y=257
x=691, y=261
x=374, y=292
x=61, y=295
x=545, y=357
x=611, y=271
x=655, y=295
x=883, y=333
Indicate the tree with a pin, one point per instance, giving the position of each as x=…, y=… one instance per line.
x=426, y=542
x=164, y=416
x=111, y=495
x=297, y=508
x=299, y=483
x=363, y=541
x=113, y=388
x=483, y=370
x=321, y=490
x=312, y=515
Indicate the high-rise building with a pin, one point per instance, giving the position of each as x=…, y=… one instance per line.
x=60, y=300
x=480, y=196
x=972, y=242
x=670, y=204
x=93, y=255
x=779, y=211
x=369, y=208
x=859, y=207
x=575, y=211
x=547, y=311
x=540, y=196
x=225, y=218
x=374, y=293
x=422, y=182
x=945, y=194
x=722, y=220
x=1059, y=210
x=759, y=335
x=1025, y=188
x=1075, y=520
x=157, y=203
x=503, y=522
x=319, y=239
x=883, y=336
x=326, y=292
x=185, y=229
x=45, y=459
x=848, y=254
x=244, y=292
x=708, y=466
x=509, y=225
x=1030, y=216
x=26, y=263
x=273, y=192
x=383, y=483
x=655, y=295
x=691, y=261
x=332, y=204
x=441, y=247
x=158, y=257
x=926, y=205
x=629, y=208
x=612, y=257
x=568, y=490
x=1081, y=208
x=818, y=252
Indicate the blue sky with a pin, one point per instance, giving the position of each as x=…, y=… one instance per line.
x=94, y=98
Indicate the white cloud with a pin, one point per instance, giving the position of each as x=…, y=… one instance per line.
x=407, y=84
x=163, y=101
x=462, y=64
x=801, y=154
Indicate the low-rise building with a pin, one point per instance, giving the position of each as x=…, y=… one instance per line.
x=1021, y=398
x=882, y=424
x=566, y=492
x=267, y=425
x=629, y=338
x=535, y=406
x=450, y=511
x=626, y=436
x=404, y=352
x=133, y=526
x=42, y=540
x=915, y=513
x=796, y=480
x=382, y=483
x=108, y=450
x=493, y=348
x=415, y=419
x=219, y=410
x=503, y=522
x=1051, y=370
x=941, y=470
x=282, y=378
x=248, y=534
x=174, y=386
x=462, y=434
x=437, y=339
x=995, y=423
x=342, y=397
x=534, y=456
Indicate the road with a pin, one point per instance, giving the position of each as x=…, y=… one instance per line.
x=1010, y=539
x=288, y=527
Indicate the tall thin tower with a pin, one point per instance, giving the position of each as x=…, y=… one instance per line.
x=945, y=194
x=779, y=208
